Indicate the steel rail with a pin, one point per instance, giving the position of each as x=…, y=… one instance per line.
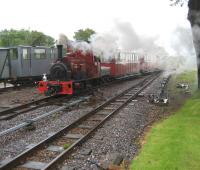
x=12, y=87
x=30, y=121
x=21, y=157
x=15, y=111
x=4, y=89
x=66, y=153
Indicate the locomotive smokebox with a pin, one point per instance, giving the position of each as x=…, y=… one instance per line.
x=60, y=51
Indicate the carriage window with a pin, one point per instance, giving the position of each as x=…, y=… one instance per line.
x=25, y=54
x=13, y=54
x=40, y=53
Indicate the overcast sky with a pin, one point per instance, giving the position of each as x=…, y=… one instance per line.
x=149, y=17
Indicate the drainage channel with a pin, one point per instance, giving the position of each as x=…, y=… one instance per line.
x=53, y=150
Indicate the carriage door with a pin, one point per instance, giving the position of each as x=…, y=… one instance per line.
x=26, y=61
x=4, y=64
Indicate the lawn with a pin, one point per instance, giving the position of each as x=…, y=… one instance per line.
x=174, y=143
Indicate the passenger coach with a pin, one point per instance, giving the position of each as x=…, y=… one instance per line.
x=24, y=63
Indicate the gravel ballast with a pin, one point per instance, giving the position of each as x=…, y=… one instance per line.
x=118, y=136
x=16, y=142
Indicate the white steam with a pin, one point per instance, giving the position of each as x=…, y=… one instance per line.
x=81, y=45
x=123, y=37
x=182, y=44
x=129, y=39
x=63, y=40
x=104, y=45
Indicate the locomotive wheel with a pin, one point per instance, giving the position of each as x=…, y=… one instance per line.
x=59, y=71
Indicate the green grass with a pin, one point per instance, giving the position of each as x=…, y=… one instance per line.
x=174, y=144
x=189, y=78
x=66, y=145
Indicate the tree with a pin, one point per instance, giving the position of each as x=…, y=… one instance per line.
x=49, y=41
x=178, y=2
x=193, y=17
x=83, y=35
x=24, y=37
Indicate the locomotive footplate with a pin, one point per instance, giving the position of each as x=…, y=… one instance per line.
x=55, y=87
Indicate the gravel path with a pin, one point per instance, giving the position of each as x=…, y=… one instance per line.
x=15, y=143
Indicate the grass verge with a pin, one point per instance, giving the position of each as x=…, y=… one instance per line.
x=174, y=144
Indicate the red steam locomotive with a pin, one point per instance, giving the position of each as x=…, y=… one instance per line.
x=78, y=68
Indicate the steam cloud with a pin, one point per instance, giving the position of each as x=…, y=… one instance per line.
x=182, y=44
x=83, y=46
x=123, y=37
x=104, y=45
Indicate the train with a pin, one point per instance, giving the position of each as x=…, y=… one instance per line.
x=79, y=68
x=23, y=64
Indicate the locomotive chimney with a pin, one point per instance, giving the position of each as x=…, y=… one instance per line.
x=60, y=51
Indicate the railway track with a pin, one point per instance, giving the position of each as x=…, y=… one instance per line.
x=12, y=87
x=50, y=152
x=5, y=89
x=12, y=112
x=30, y=122
x=15, y=111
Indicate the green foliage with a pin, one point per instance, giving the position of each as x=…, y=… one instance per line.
x=66, y=145
x=174, y=142
x=189, y=77
x=24, y=37
x=83, y=35
x=178, y=2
